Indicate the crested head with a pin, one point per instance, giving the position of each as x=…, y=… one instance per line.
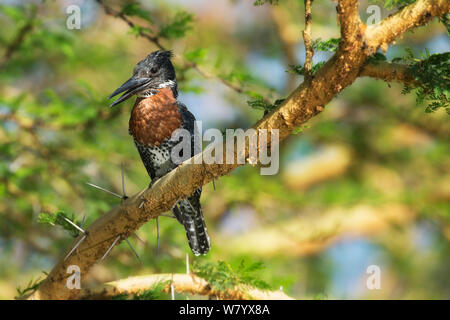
x=156, y=65
x=150, y=74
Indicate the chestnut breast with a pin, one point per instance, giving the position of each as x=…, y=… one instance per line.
x=153, y=119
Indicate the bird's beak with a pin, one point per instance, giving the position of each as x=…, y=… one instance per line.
x=131, y=86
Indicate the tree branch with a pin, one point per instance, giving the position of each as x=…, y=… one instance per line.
x=18, y=40
x=388, y=72
x=417, y=14
x=305, y=102
x=309, y=51
x=349, y=20
x=182, y=283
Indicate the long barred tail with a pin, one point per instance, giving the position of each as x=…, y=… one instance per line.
x=190, y=215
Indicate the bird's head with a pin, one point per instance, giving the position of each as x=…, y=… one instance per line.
x=150, y=74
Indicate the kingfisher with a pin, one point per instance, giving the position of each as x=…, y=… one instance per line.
x=155, y=116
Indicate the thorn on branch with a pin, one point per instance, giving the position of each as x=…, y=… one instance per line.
x=103, y=189
x=124, y=195
x=134, y=251
x=75, y=246
x=110, y=248
x=157, y=234
x=139, y=238
x=172, y=290
x=187, y=264
x=74, y=225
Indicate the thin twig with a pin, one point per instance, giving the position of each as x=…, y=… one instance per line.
x=157, y=234
x=19, y=39
x=172, y=288
x=187, y=263
x=309, y=51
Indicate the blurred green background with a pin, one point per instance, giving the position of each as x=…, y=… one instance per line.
x=367, y=182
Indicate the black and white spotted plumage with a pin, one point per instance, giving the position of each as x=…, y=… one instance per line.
x=151, y=77
x=157, y=160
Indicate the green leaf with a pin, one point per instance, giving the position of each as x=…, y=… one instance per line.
x=262, y=2
x=59, y=218
x=300, y=69
x=31, y=287
x=138, y=30
x=195, y=55
x=433, y=75
x=177, y=28
x=330, y=45
x=395, y=4
x=134, y=9
x=264, y=105
x=445, y=20
x=377, y=57
x=222, y=276
x=155, y=292
x=15, y=13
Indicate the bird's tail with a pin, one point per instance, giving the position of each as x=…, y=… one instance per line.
x=189, y=213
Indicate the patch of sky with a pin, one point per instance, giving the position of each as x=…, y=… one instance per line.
x=350, y=259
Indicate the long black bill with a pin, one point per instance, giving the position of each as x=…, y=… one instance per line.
x=131, y=86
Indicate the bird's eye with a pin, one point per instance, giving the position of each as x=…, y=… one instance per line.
x=153, y=70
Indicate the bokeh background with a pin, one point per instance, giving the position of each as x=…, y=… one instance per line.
x=367, y=182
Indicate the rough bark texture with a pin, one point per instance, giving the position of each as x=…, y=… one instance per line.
x=417, y=14
x=309, y=99
x=388, y=72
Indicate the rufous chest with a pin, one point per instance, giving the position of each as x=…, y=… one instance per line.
x=154, y=119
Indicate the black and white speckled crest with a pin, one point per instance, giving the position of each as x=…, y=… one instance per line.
x=158, y=67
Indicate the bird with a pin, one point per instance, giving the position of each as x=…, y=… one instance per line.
x=155, y=116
